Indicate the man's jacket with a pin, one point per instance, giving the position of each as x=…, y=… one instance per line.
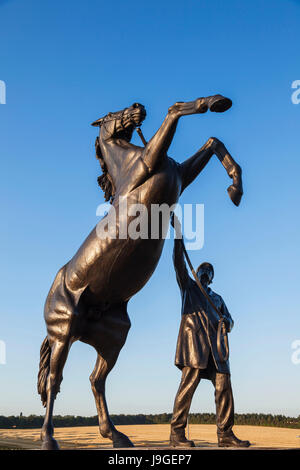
x=199, y=323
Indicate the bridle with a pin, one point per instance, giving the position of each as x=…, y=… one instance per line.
x=119, y=115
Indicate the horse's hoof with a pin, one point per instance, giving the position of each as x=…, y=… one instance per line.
x=120, y=440
x=235, y=194
x=49, y=443
x=218, y=103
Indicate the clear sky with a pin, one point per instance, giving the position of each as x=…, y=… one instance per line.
x=67, y=63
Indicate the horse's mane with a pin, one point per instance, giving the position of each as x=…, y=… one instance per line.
x=104, y=180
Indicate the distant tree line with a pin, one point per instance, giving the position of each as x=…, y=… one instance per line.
x=254, y=419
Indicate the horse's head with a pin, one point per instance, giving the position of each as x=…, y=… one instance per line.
x=121, y=124
x=118, y=125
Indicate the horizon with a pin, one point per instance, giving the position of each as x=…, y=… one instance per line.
x=63, y=66
x=143, y=414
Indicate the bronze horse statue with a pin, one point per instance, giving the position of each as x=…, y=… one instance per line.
x=88, y=298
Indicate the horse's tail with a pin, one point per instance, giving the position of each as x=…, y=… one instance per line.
x=45, y=354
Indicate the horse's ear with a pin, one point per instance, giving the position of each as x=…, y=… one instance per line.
x=97, y=123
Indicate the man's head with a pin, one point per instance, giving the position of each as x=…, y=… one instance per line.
x=205, y=273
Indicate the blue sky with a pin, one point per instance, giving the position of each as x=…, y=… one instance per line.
x=67, y=63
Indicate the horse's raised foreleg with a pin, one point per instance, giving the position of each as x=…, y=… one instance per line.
x=234, y=171
x=157, y=147
x=194, y=165
x=98, y=378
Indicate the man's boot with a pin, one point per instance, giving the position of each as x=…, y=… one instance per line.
x=178, y=439
x=230, y=440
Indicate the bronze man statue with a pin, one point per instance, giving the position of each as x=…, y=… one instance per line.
x=88, y=298
x=197, y=353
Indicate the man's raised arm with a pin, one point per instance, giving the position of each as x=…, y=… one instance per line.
x=182, y=274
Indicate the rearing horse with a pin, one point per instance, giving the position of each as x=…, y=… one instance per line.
x=88, y=298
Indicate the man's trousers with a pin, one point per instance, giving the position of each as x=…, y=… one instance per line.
x=223, y=398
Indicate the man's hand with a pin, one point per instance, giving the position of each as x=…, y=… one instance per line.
x=227, y=324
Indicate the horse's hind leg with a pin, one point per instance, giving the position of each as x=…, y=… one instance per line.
x=106, y=426
x=58, y=356
x=107, y=334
